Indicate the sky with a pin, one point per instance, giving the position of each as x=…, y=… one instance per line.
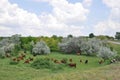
x=59, y=17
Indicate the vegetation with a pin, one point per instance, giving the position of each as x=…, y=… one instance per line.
x=117, y=36
x=70, y=58
x=40, y=48
x=91, y=35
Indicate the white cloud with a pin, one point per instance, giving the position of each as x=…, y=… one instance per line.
x=107, y=27
x=14, y=19
x=115, y=8
x=87, y=3
x=112, y=24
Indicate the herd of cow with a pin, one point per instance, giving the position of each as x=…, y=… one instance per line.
x=69, y=62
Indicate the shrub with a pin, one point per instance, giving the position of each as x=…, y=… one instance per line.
x=44, y=63
x=117, y=57
x=2, y=52
x=106, y=53
x=40, y=48
x=41, y=63
x=13, y=62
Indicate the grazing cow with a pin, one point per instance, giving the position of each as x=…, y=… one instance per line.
x=18, y=59
x=52, y=59
x=14, y=59
x=23, y=55
x=34, y=55
x=7, y=55
x=63, y=61
x=86, y=61
x=56, y=61
x=72, y=65
x=112, y=61
x=80, y=60
x=27, y=61
x=100, y=62
x=31, y=59
x=70, y=60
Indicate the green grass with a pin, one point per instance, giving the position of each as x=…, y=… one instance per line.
x=116, y=47
x=23, y=71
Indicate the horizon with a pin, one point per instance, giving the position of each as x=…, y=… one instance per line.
x=59, y=17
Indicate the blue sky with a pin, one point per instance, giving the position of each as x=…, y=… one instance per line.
x=59, y=17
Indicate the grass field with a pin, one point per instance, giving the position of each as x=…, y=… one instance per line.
x=90, y=71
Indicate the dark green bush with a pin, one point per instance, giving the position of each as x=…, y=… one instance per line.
x=117, y=57
x=44, y=63
x=13, y=62
x=41, y=63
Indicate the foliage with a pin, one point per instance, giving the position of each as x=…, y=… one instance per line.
x=9, y=48
x=117, y=57
x=106, y=53
x=15, y=39
x=40, y=48
x=69, y=45
x=13, y=62
x=2, y=52
x=4, y=42
x=117, y=35
x=91, y=35
x=45, y=63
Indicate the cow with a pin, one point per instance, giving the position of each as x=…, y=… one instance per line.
x=86, y=61
x=27, y=61
x=14, y=59
x=80, y=61
x=7, y=55
x=72, y=65
x=70, y=60
x=100, y=62
x=63, y=61
x=56, y=61
x=31, y=59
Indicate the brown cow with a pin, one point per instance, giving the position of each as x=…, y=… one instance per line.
x=31, y=59
x=70, y=60
x=27, y=61
x=56, y=61
x=72, y=65
x=7, y=55
x=14, y=59
x=63, y=61
x=100, y=62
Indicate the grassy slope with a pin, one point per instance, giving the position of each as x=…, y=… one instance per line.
x=116, y=47
x=25, y=72
x=90, y=71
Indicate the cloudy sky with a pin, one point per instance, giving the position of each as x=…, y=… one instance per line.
x=59, y=17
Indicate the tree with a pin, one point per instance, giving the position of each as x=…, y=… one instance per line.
x=91, y=35
x=70, y=36
x=2, y=52
x=106, y=53
x=40, y=48
x=15, y=39
x=117, y=36
x=70, y=45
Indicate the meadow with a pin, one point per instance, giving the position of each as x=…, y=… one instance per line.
x=91, y=71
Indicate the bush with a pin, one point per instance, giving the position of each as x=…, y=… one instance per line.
x=117, y=57
x=106, y=53
x=41, y=63
x=13, y=62
x=2, y=52
x=40, y=48
x=44, y=63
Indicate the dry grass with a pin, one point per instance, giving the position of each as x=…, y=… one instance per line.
x=109, y=72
